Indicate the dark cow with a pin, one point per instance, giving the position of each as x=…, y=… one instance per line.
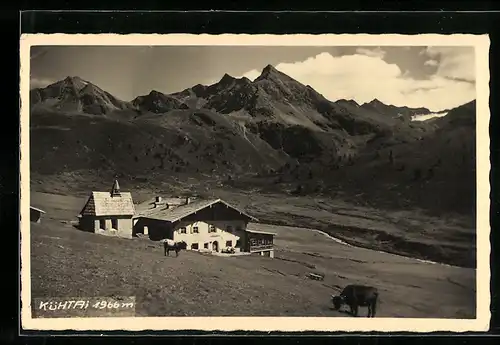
x=357, y=296
x=169, y=245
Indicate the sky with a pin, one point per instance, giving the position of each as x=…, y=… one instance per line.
x=436, y=77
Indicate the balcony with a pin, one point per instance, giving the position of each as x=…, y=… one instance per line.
x=261, y=247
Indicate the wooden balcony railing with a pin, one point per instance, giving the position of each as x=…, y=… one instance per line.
x=261, y=247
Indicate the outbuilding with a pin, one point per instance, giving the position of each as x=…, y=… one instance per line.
x=108, y=213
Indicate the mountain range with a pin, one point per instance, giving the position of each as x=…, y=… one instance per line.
x=273, y=127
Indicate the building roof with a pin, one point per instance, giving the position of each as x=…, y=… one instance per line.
x=261, y=232
x=180, y=212
x=148, y=204
x=104, y=204
x=37, y=209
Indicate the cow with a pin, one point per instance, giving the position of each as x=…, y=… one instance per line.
x=169, y=245
x=357, y=296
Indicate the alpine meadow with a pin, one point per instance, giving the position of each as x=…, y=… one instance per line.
x=311, y=170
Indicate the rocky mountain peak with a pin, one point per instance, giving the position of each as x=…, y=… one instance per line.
x=155, y=93
x=375, y=101
x=227, y=79
x=268, y=73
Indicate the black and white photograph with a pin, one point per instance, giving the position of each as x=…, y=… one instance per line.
x=255, y=182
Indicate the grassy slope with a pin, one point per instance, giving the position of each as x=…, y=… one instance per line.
x=199, y=141
x=67, y=262
x=449, y=238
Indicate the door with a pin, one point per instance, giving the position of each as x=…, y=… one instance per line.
x=215, y=246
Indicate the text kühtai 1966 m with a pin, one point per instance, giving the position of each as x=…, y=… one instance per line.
x=92, y=306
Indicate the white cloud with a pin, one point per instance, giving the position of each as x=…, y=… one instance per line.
x=363, y=78
x=39, y=82
x=252, y=74
x=377, y=52
x=454, y=62
x=431, y=63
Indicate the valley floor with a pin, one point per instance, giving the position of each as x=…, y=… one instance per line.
x=412, y=232
x=66, y=262
x=449, y=239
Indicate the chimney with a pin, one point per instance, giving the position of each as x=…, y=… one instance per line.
x=188, y=200
x=158, y=199
x=115, y=191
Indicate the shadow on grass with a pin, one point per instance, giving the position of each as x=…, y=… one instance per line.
x=342, y=311
x=77, y=227
x=172, y=256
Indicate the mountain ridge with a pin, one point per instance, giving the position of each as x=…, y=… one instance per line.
x=268, y=73
x=77, y=95
x=238, y=127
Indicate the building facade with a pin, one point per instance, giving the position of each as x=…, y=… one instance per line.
x=108, y=213
x=36, y=214
x=260, y=242
x=207, y=225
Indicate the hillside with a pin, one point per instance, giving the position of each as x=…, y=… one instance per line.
x=434, y=172
x=193, y=142
x=437, y=171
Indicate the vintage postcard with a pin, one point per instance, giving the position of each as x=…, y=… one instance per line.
x=255, y=182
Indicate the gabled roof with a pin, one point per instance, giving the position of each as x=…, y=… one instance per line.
x=103, y=204
x=180, y=212
x=37, y=209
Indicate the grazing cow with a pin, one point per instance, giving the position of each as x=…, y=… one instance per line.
x=357, y=296
x=169, y=245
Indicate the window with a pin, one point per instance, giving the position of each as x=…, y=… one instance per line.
x=212, y=229
x=229, y=243
x=182, y=230
x=102, y=224
x=229, y=229
x=253, y=242
x=195, y=230
x=259, y=242
x=114, y=223
x=194, y=246
x=205, y=246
